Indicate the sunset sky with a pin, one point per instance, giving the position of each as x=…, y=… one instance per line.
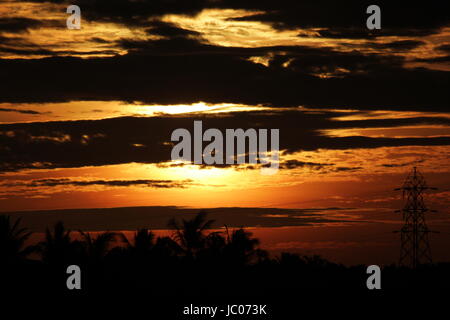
x=86, y=117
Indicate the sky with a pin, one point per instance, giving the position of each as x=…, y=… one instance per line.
x=86, y=117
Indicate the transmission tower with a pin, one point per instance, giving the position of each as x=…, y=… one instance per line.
x=415, y=248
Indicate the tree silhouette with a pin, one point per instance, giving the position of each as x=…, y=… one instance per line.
x=12, y=241
x=143, y=242
x=95, y=249
x=241, y=248
x=94, y=253
x=184, y=264
x=58, y=249
x=190, y=235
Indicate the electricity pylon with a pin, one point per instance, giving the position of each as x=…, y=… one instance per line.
x=415, y=248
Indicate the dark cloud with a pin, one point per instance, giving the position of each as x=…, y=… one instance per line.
x=99, y=40
x=20, y=46
x=185, y=71
x=360, y=32
x=23, y=47
x=18, y=24
x=27, y=51
x=401, y=18
x=147, y=140
x=339, y=169
x=444, y=59
x=182, y=67
x=403, y=45
x=444, y=47
x=21, y=111
x=319, y=167
x=133, y=13
x=377, y=123
x=132, y=218
x=109, y=183
x=170, y=30
x=34, y=50
x=399, y=165
x=283, y=165
x=398, y=17
x=293, y=164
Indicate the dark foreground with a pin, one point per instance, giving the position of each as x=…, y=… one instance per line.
x=193, y=268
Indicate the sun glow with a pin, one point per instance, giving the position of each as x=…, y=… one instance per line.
x=154, y=110
x=94, y=110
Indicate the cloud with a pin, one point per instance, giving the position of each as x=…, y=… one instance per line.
x=401, y=45
x=131, y=218
x=201, y=72
x=170, y=30
x=179, y=66
x=399, y=18
x=67, y=144
x=399, y=165
x=109, y=183
x=445, y=59
x=18, y=24
x=293, y=164
x=338, y=169
x=181, y=60
x=320, y=167
x=444, y=47
x=20, y=111
x=132, y=13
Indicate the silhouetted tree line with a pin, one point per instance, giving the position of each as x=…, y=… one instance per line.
x=192, y=261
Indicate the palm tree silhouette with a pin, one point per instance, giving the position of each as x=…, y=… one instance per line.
x=190, y=235
x=58, y=249
x=12, y=241
x=241, y=248
x=94, y=253
x=143, y=242
x=96, y=249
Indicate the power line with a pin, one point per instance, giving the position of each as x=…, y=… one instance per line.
x=415, y=247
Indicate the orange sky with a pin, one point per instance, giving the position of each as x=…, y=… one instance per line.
x=360, y=179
